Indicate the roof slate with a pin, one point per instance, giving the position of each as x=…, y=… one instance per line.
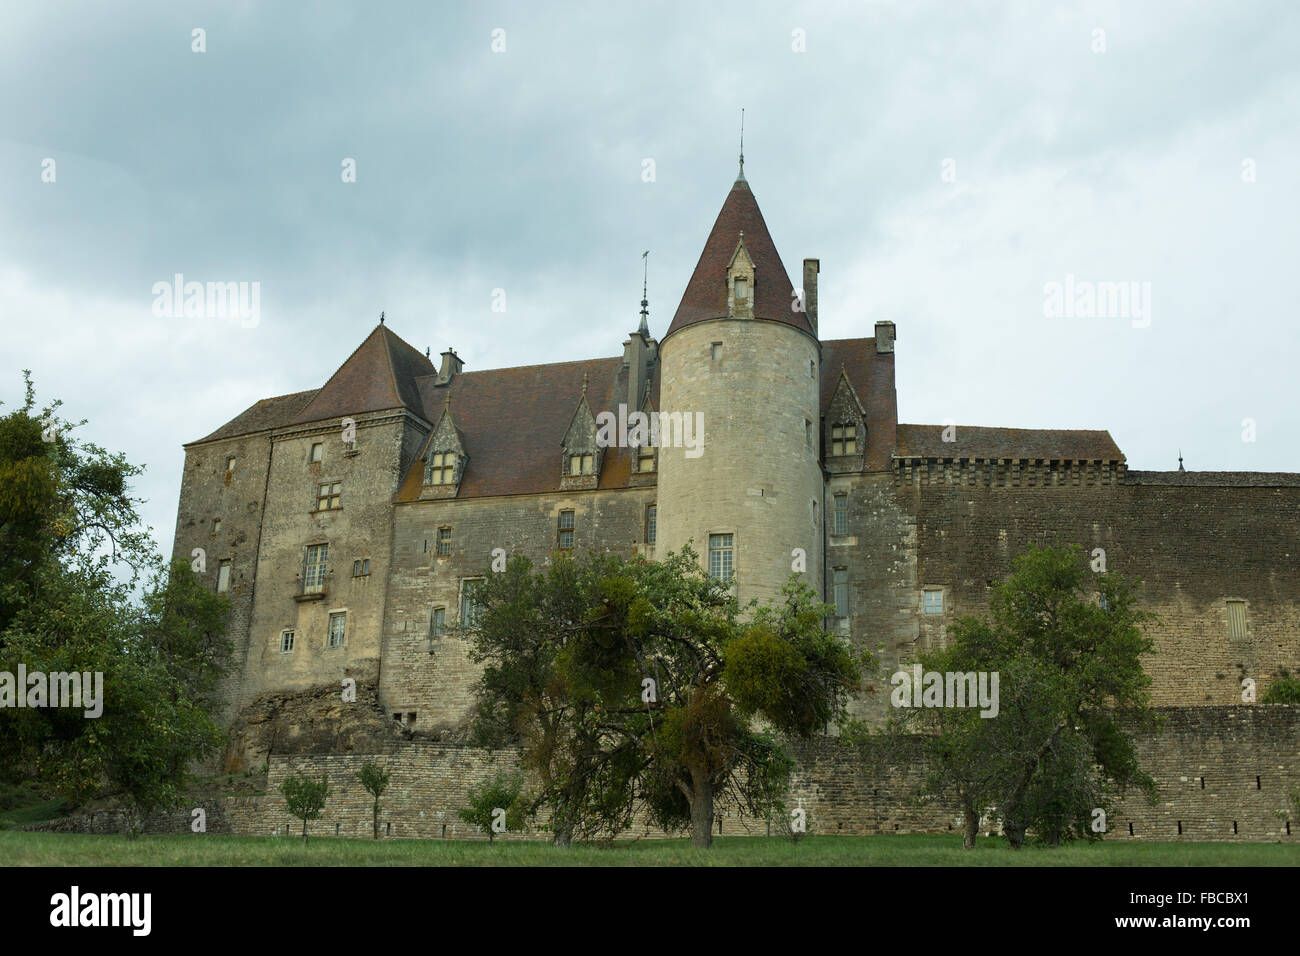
x=972, y=441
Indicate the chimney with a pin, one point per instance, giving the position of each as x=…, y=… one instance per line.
x=884, y=337
x=636, y=355
x=451, y=365
x=810, y=269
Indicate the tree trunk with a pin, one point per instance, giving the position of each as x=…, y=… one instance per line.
x=563, y=837
x=970, y=827
x=304, y=829
x=701, y=811
x=1015, y=834
x=376, y=819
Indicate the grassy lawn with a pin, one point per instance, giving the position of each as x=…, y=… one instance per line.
x=19, y=848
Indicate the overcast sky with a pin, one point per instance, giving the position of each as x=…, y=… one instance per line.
x=1163, y=150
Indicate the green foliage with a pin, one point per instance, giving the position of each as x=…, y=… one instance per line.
x=374, y=779
x=1072, y=690
x=487, y=802
x=68, y=532
x=305, y=798
x=1284, y=690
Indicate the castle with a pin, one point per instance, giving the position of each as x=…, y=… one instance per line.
x=349, y=524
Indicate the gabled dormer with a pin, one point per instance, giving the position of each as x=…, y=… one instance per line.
x=581, y=454
x=740, y=282
x=645, y=458
x=845, y=429
x=444, y=457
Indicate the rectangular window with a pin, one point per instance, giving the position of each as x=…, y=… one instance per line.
x=841, y=515
x=223, y=576
x=582, y=464
x=438, y=625
x=651, y=521
x=338, y=627
x=1236, y=620
x=841, y=591
x=715, y=351
x=442, y=468
x=317, y=451
x=444, y=541
x=645, y=458
x=216, y=525
x=933, y=602
x=361, y=568
x=844, y=439
x=566, y=530
x=230, y=463
x=742, y=288
x=721, y=564
x=328, y=496
x=470, y=608
x=313, y=571
x=286, y=642
x=807, y=432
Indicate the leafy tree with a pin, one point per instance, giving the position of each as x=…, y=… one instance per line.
x=375, y=781
x=487, y=802
x=1284, y=690
x=305, y=798
x=1067, y=646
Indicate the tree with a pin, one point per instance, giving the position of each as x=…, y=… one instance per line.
x=496, y=806
x=1066, y=645
x=305, y=798
x=1284, y=690
x=71, y=553
x=375, y=781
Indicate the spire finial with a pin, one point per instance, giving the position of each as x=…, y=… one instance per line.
x=584, y=383
x=381, y=318
x=741, y=177
x=426, y=351
x=1180, y=460
x=645, y=303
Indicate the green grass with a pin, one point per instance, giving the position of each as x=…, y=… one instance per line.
x=72, y=849
x=22, y=805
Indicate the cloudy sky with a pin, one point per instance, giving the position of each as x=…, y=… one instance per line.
x=946, y=162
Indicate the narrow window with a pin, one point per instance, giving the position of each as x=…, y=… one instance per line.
x=223, y=576
x=566, y=530
x=216, y=525
x=841, y=592
x=439, y=622
x=230, y=463
x=470, y=608
x=651, y=520
x=841, y=514
x=442, y=468
x=313, y=572
x=444, y=541
x=329, y=495
x=645, y=458
x=742, y=288
x=286, y=642
x=715, y=351
x=317, y=451
x=807, y=432
x=1237, y=620
x=338, y=626
x=410, y=718
x=934, y=602
x=721, y=552
x=844, y=439
x=812, y=369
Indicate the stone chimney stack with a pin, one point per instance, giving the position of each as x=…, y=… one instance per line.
x=810, y=269
x=884, y=337
x=636, y=358
x=451, y=365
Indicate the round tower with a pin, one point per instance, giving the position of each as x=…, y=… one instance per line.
x=742, y=360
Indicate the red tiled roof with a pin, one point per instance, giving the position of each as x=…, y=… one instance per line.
x=378, y=376
x=706, y=294
x=267, y=413
x=972, y=441
x=872, y=378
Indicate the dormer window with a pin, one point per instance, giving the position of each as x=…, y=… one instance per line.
x=844, y=439
x=582, y=464
x=740, y=282
x=442, y=468
x=742, y=288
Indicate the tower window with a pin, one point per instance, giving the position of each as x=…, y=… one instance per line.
x=361, y=568
x=721, y=557
x=1236, y=620
x=438, y=623
x=645, y=459
x=338, y=627
x=844, y=439
x=807, y=432
x=715, y=351
x=230, y=463
x=223, y=576
x=840, y=589
x=317, y=451
x=442, y=467
x=742, y=288
x=216, y=525
x=329, y=496
x=841, y=514
x=566, y=530
x=313, y=571
x=444, y=541
x=470, y=608
x=582, y=464
x=286, y=642
x=933, y=601
x=651, y=520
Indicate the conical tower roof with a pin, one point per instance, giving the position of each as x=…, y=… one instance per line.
x=706, y=294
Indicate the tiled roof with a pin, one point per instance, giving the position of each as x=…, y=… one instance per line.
x=268, y=413
x=706, y=294
x=1215, y=479
x=1049, y=444
x=379, y=375
x=872, y=378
